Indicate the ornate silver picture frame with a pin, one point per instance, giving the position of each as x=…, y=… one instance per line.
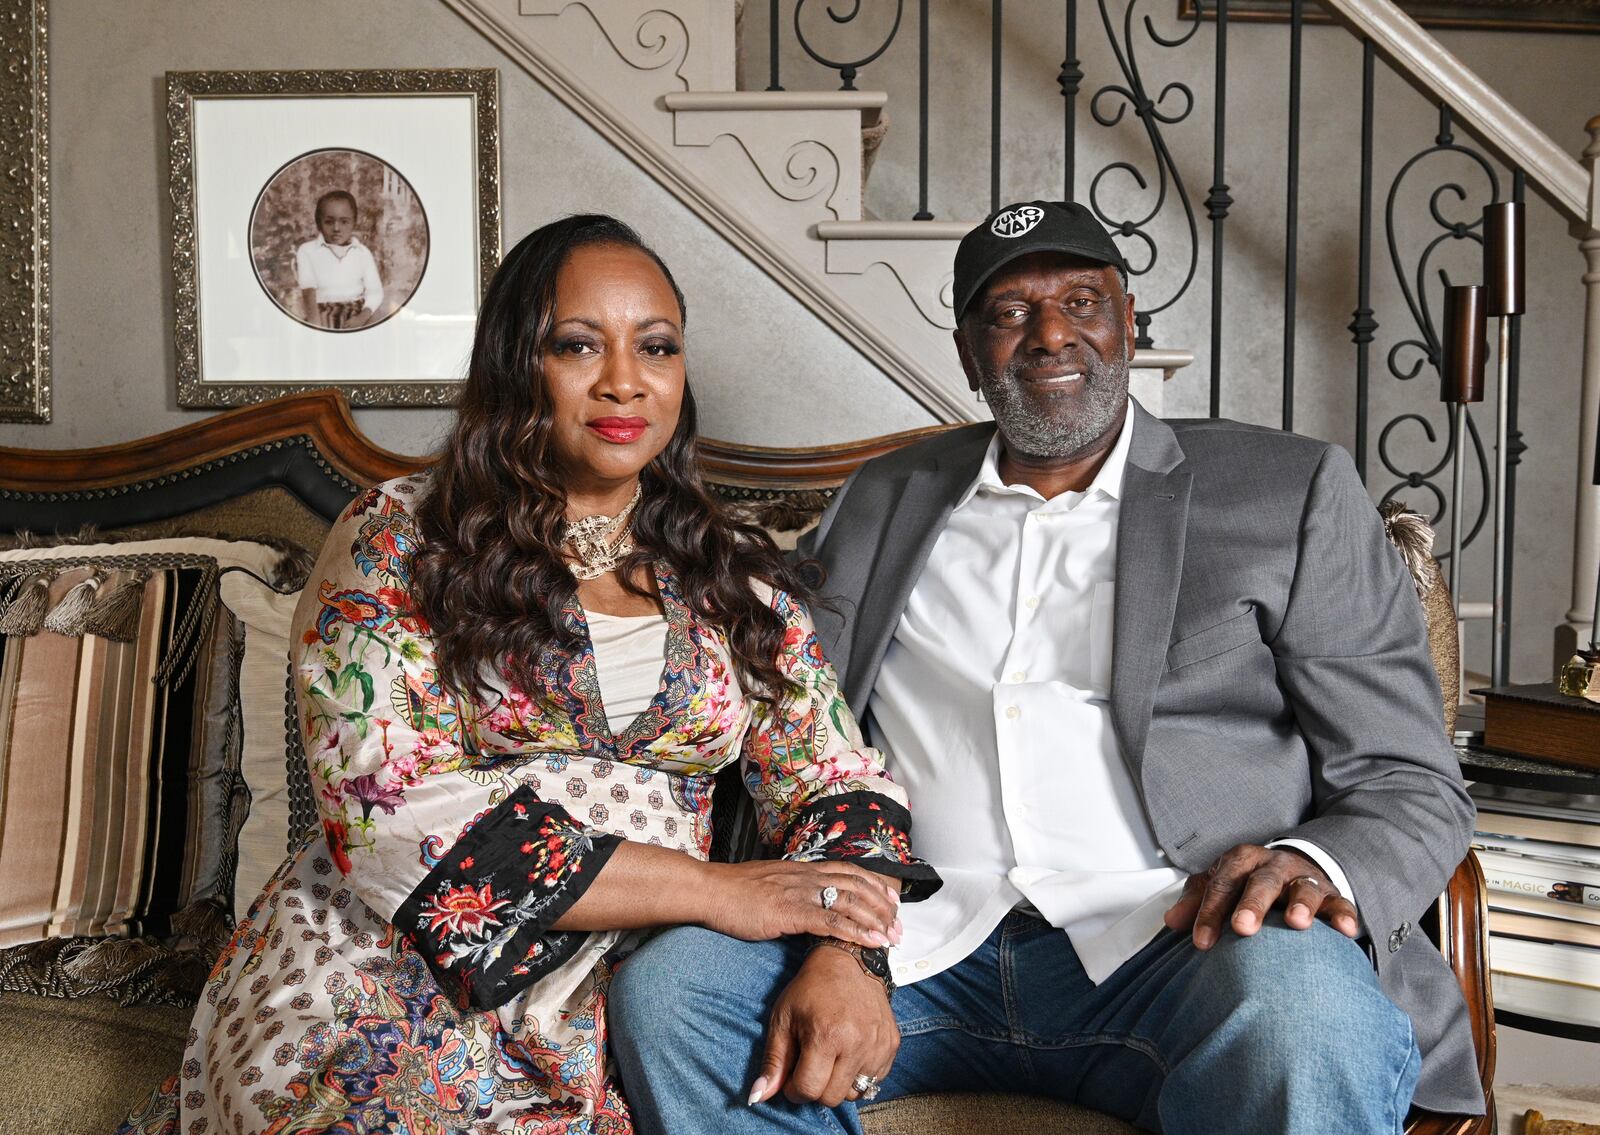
x=1482, y=15
x=331, y=230
x=25, y=201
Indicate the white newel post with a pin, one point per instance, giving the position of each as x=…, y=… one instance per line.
x=1586, y=545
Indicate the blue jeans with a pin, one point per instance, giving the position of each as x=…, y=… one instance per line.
x=1281, y=1033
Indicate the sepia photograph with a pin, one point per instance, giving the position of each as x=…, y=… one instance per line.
x=339, y=240
x=330, y=230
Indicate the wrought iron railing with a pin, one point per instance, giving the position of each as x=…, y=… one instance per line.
x=1414, y=447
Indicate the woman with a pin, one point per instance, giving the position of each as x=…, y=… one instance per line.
x=518, y=675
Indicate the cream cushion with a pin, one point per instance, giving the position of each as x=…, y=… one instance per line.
x=263, y=693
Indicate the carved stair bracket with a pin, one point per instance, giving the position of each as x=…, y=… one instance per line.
x=923, y=268
x=693, y=41
x=815, y=156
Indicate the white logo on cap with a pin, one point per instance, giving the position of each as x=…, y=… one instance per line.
x=1015, y=222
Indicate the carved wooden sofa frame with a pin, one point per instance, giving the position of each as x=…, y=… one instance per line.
x=294, y=463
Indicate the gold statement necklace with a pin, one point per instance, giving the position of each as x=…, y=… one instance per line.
x=597, y=544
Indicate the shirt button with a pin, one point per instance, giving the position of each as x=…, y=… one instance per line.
x=1019, y=676
x=1031, y=602
x=1013, y=712
x=923, y=964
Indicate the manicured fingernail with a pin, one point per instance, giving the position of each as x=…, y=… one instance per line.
x=895, y=934
x=757, y=1090
x=879, y=938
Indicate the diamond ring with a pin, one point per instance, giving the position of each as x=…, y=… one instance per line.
x=866, y=1086
x=829, y=896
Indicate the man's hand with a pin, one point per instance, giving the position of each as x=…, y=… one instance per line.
x=1249, y=880
x=830, y=1025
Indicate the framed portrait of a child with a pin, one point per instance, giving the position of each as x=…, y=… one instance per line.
x=331, y=229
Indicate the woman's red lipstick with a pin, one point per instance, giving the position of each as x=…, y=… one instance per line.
x=619, y=431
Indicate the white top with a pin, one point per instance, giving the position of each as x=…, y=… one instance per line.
x=339, y=276
x=629, y=653
x=992, y=710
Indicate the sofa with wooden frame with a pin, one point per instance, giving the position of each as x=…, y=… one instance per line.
x=285, y=469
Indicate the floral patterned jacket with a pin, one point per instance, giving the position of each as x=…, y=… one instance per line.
x=474, y=824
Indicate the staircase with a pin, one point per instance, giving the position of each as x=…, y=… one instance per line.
x=779, y=174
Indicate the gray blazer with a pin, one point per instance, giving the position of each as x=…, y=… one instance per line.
x=1270, y=672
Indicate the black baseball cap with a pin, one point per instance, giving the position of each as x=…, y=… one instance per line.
x=1030, y=226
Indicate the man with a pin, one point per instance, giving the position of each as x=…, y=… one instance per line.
x=1161, y=686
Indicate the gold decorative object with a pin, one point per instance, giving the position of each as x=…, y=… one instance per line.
x=600, y=543
x=1534, y=1123
x=25, y=203
x=202, y=379
x=1580, y=677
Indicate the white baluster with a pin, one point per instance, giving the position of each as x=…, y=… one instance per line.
x=1586, y=544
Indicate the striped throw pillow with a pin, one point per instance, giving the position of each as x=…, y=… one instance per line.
x=120, y=791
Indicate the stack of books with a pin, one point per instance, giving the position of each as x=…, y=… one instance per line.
x=1540, y=853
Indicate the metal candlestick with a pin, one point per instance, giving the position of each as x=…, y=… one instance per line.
x=1505, y=295
x=1461, y=382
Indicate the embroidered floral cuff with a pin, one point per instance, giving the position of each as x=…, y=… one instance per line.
x=866, y=829
x=482, y=917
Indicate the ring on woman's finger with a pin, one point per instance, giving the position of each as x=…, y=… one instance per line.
x=865, y=1086
x=828, y=896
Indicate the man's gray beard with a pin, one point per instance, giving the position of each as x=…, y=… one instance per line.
x=1033, y=434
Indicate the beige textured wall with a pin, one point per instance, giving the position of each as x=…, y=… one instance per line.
x=762, y=365
x=1551, y=78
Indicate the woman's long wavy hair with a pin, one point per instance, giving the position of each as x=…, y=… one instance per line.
x=489, y=574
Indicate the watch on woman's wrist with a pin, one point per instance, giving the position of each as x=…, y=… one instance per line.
x=873, y=960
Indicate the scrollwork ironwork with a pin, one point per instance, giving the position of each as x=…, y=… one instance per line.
x=848, y=69
x=1132, y=94
x=1408, y=356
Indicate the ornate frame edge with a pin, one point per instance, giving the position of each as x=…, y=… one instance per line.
x=1492, y=18
x=183, y=87
x=33, y=153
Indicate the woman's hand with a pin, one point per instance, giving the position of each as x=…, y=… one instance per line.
x=771, y=898
x=832, y=1024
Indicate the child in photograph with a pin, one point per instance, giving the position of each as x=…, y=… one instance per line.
x=340, y=288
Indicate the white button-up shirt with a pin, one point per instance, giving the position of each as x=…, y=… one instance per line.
x=992, y=709
x=339, y=277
